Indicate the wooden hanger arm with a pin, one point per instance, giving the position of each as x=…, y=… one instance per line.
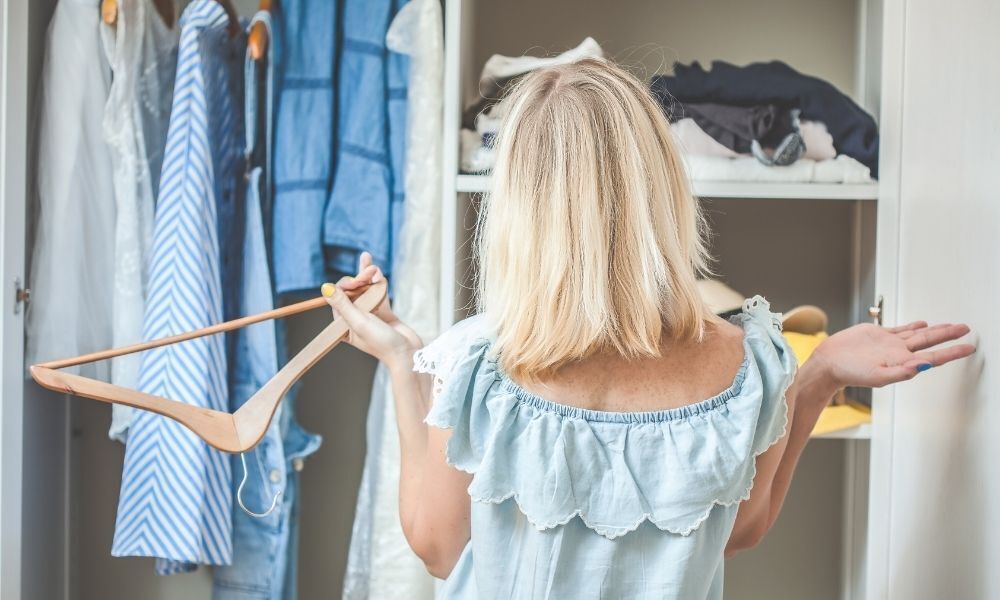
x=254, y=416
x=215, y=427
x=277, y=313
x=257, y=40
x=109, y=11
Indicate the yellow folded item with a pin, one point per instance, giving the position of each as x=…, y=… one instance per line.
x=842, y=416
x=803, y=344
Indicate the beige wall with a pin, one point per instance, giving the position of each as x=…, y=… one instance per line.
x=814, y=36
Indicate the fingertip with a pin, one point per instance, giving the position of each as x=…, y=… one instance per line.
x=328, y=289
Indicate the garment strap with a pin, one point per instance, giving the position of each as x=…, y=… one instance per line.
x=252, y=99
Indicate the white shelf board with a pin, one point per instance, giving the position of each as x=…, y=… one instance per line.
x=861, y=432
x=734, y=189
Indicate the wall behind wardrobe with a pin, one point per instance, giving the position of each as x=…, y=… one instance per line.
x=652, y=34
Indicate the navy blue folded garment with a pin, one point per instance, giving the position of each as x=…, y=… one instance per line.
x=854, y=131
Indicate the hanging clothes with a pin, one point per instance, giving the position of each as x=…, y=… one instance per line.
x=339, y=141
x=70, y=312
x=380, y=563
x=176, y=500
x=854, y=131
x=365, y=210
x=142, y=52
x=264, y=548
x=305, y=134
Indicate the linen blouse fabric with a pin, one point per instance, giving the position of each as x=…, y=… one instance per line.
x=576, y=503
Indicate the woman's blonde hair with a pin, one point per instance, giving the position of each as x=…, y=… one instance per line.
x=590, y=239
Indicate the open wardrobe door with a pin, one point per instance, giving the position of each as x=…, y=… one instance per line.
x=33, y=429
x=934, y=517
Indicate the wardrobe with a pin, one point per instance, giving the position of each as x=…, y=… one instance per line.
x=902, y=508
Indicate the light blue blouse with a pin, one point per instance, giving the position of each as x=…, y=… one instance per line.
x=574, y=503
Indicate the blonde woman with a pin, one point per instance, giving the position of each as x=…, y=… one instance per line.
x=596, y=432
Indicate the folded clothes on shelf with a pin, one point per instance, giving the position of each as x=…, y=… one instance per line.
x=842, y=169
x=481, y=120
x=693, y=140
x=757, y=86
x=474, y=155
x=768, y=132
x=500, y=72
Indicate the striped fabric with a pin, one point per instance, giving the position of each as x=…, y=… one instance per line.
x=176, y=498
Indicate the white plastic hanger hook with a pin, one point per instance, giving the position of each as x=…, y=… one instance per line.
x=239, y=493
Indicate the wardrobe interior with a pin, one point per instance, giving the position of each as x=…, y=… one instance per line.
x=810, y=250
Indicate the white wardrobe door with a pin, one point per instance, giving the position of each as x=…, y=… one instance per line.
x=942, y=513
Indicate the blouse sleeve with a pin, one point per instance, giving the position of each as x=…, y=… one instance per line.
x=464, y=376
x=776, y=366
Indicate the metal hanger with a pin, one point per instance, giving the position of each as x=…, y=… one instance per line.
x=109, y=12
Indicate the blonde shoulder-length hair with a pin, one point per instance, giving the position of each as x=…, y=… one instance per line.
x=590, y=239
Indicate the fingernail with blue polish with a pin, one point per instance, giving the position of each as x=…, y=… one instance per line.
x=923, y=367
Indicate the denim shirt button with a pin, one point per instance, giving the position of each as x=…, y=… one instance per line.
x=298, y=464
x=275, y=476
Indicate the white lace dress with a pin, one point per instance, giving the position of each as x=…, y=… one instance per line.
x=142, y=52
x=380, y=563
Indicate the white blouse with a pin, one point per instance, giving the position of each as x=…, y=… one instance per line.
x=71, y=278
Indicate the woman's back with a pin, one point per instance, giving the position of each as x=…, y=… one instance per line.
x=685, y=372
x=619, y=483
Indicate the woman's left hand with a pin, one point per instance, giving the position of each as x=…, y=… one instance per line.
x=867, y=355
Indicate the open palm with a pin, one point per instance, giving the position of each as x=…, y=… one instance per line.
x=871, y=356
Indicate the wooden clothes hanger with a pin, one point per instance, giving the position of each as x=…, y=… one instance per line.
x=257, y=40
x=109, y=12
x=229, y=432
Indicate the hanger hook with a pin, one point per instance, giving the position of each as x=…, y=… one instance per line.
x=239, y=494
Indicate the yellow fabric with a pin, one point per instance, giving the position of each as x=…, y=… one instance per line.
x=833, y=418
x=842, y=416
x=803, y=344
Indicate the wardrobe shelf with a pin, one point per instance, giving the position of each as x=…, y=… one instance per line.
x=731, y=189
x=861, y=432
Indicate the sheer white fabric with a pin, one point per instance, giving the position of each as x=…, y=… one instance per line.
x=380, y=563
x=142, y=52
x=71, y=275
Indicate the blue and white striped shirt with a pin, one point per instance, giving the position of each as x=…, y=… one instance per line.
x=176, y=495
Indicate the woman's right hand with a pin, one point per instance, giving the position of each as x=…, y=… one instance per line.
x=380, y=332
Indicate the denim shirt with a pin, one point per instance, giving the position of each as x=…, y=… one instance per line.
x=306, y=37
x=264, y=548
x=339, y=139
x=365, y=210
x=576, y=503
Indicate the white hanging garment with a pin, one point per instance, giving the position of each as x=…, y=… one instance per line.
x=71, y=272
x=381, y=564
x=142, y=52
